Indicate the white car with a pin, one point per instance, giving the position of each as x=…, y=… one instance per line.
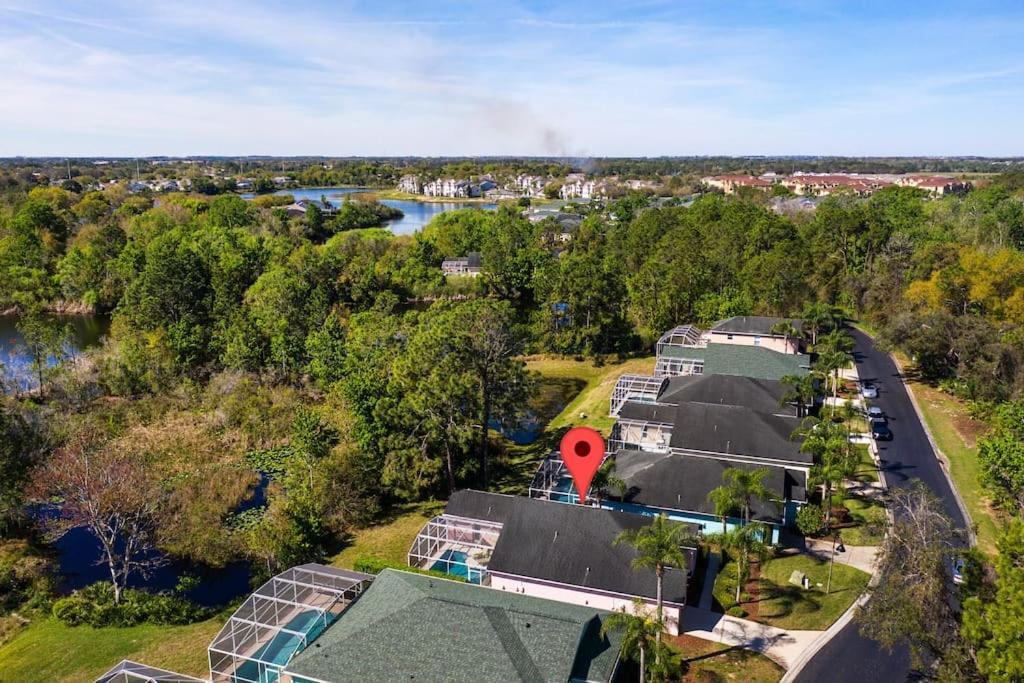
x=958, y=570
x=875, y=413
x=869, y=391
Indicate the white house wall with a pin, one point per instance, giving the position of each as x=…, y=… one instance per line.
x=580, y=597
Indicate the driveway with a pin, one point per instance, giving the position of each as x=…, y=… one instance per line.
x=850, y=657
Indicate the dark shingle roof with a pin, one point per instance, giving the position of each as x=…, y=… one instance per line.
x=683, y=482
x=735, y=430
x=753, y=324
x=565, y=543
x=411, y=627
x=757, y=394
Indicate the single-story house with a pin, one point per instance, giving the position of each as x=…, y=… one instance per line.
x=410, y=627
x=547, y=549
x=463, y=265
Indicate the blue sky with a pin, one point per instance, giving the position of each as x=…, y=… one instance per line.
x=633, y=78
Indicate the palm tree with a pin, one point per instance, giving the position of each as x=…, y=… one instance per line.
x=605, y=481
x=834, y=458
x=725, y=500
x=744, y=542
x=819, y=316
x=640, y=633
x=801, y=390
x=658, y=546
x=745, y=486
x=837, y=340
x=786, y=329
x=830, y=363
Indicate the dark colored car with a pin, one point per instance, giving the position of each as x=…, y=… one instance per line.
x=880, y=430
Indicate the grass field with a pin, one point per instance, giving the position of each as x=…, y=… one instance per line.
x=47, y=651
x=781, y=604
x=709, y=661
x=391, y=539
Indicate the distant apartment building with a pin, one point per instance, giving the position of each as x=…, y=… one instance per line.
x=410, y=183
x=824, y=184
x=530, y=185
x=731, y=183
x=936, y=185
x=451, y=187
x=576, y=186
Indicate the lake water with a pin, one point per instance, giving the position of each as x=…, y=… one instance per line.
x=16, y=362
x=417, y=214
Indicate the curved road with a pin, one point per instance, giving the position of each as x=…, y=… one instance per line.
x=850, y=657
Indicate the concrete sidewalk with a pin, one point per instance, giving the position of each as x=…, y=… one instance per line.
x=861, y=557
x=784, y=647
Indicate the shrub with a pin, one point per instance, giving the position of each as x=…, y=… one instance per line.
x=375, y=565
x=810, y=519
x=736, y=611
x=94, y=605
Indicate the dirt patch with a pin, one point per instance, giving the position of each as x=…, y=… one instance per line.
x=753, y=591
x=965, y=426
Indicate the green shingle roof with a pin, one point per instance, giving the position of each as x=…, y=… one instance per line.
x=409, y=627
x=747, y=361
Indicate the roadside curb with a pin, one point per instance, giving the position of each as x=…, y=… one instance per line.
x=939, y=455
x=843, y=621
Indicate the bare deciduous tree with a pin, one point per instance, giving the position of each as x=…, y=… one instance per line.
x=109, y=491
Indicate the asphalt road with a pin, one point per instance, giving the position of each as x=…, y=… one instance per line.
x=850, y=657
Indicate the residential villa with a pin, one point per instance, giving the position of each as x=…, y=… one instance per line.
x=319, y=624
x=547, y=550
x=471, y=265
x=301, y=207
x=417, y=628
x=687, y=350
x=757, y=330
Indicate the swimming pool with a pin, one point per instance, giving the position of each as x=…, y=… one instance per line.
x=279, y=649
x=456, y=563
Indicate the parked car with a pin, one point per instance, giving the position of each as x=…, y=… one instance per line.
x=868, y=390
x=880, y=430
x=958, y=570
x=875, y=413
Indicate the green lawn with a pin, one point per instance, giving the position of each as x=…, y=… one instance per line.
x=49, y=652
x=391, y=539
x=784, y=605
x=867, y=470
x=590, y=405
x=571, y=393
x=868, y=521
x=707, y=661
x=955, y=433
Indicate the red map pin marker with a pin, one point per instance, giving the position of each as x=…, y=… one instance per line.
x=582, y=450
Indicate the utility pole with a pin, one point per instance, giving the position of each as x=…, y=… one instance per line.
x=831, y=563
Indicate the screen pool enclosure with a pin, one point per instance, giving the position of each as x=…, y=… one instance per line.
x=457, y=546
x=132, y=672
x=280, y=620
